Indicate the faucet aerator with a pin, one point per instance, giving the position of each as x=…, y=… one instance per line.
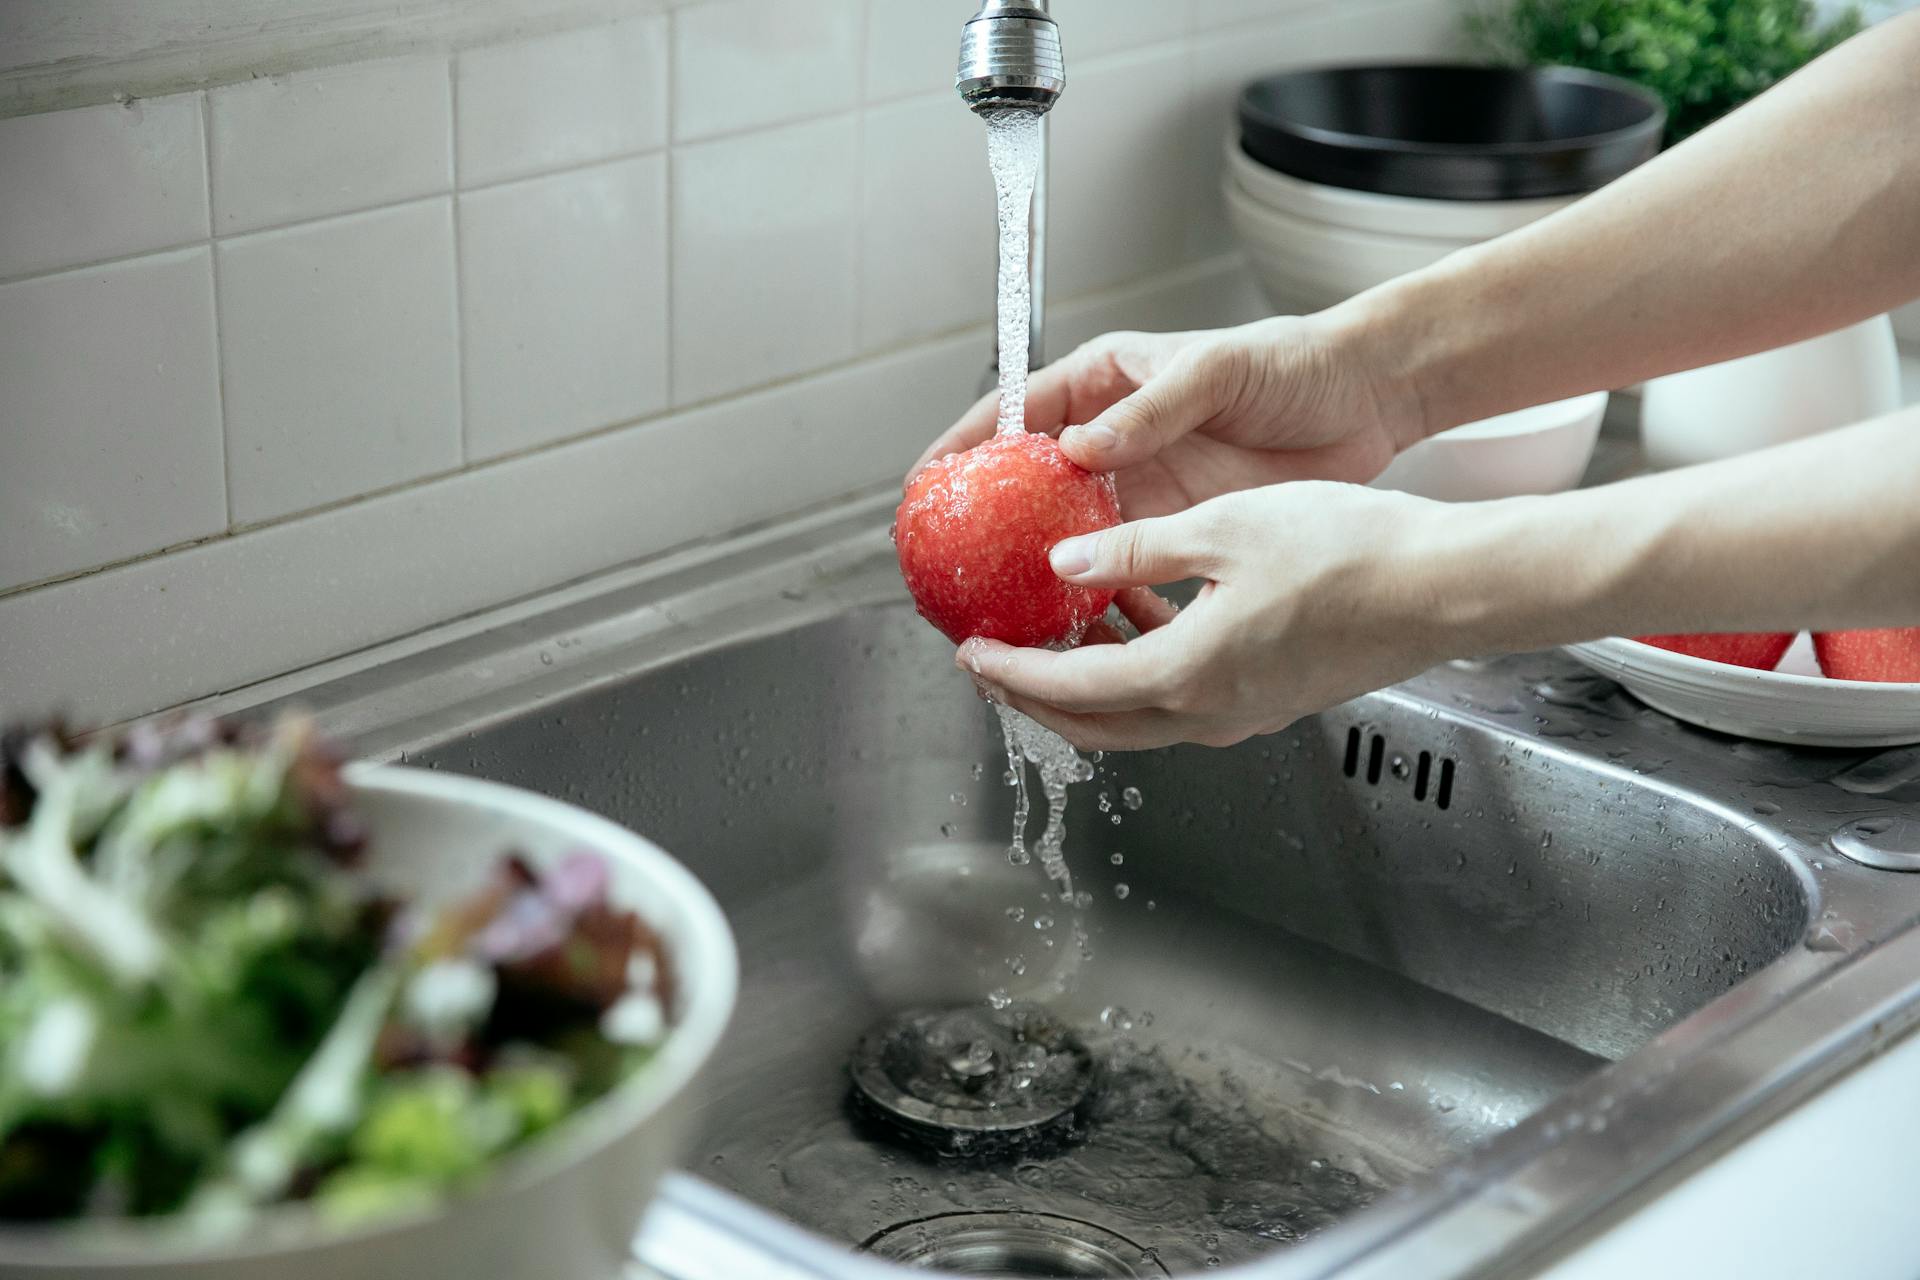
x=1010, y=59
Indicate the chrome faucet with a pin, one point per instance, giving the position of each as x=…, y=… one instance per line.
x=1010, y=60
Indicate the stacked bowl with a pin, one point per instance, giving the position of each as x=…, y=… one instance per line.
x=1341, y=178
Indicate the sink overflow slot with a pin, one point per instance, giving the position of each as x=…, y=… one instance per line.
x=1422, y=772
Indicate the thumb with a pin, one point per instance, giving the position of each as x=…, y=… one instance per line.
x=1144, y=553
x=1188, y=393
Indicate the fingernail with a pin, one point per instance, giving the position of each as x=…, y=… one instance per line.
x=1072, y=557
x=967, y=657
x=1094, y=436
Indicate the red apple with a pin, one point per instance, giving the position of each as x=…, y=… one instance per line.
x=1761, y=649
x=1887, y=655
x=973, y=535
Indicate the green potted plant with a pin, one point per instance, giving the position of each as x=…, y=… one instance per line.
x=1703, y=57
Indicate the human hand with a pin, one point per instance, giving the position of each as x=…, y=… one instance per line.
x=1315, y=593
x=1184, y=417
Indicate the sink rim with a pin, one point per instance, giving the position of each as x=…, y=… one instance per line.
x=1790, y=1027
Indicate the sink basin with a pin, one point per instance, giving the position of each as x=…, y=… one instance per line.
x=1449, y=973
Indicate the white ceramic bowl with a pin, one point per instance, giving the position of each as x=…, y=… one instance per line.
x=1306, y=266
x=1774, y=706
x=1465, y=221
x=1313, y=246
x=1833, y=380
x=565, y=1208
x=1544, y=449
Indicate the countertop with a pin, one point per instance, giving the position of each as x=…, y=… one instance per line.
x=1827, y=1190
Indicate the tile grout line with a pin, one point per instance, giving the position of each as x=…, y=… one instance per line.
x=857, y=211
x=669, y=23
x=216, y=236
x=460, y=354
x=219, y=325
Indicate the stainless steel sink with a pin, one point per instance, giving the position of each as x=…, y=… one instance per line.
x=1428, y=985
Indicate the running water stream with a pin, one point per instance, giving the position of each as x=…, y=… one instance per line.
x=1013, y=153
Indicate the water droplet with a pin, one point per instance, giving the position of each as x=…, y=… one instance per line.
x=947, y=830
x=1016, y=914
x=1121, y=891
x=1117, y=858
x=999, y=998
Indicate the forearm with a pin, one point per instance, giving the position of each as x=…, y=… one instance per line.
x=1792, y=216
x=1823, y=533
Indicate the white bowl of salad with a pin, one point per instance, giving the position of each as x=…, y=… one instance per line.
x=268, y=1017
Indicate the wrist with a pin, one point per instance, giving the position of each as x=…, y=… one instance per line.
x=1519, y=574
x=1396, y=340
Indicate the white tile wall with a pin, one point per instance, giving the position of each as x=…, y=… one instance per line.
x=341, y=358
x=927, y=239
x=403, y=296
x=1092, y=29
x=563, y=302
x=102, y=182
x=109, y=417
x=536, y=105
x=912, y=46
x=765, y=256
x=336, y=581
x=288, y=148
x=745, y=64
x=1125, y=172
x=1209, y=14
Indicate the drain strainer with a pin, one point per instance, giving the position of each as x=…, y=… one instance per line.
x=974, y=1080
x=1014, y=1244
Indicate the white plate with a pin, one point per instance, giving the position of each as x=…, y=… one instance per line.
x=1774, y=706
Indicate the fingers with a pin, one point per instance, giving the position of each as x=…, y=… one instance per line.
x=1088, y=381
x=1147, y=610
x=1101, y=677
x=1143, y=553
x=1192, y=390
x=1122, y=731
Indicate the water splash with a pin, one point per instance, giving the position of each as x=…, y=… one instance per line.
x=1013, y=152
x=1059, y=765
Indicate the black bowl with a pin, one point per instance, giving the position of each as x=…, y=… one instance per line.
x=1451, y=132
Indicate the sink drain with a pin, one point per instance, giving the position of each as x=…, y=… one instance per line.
x=973, y=1080
x=1014, y=1244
